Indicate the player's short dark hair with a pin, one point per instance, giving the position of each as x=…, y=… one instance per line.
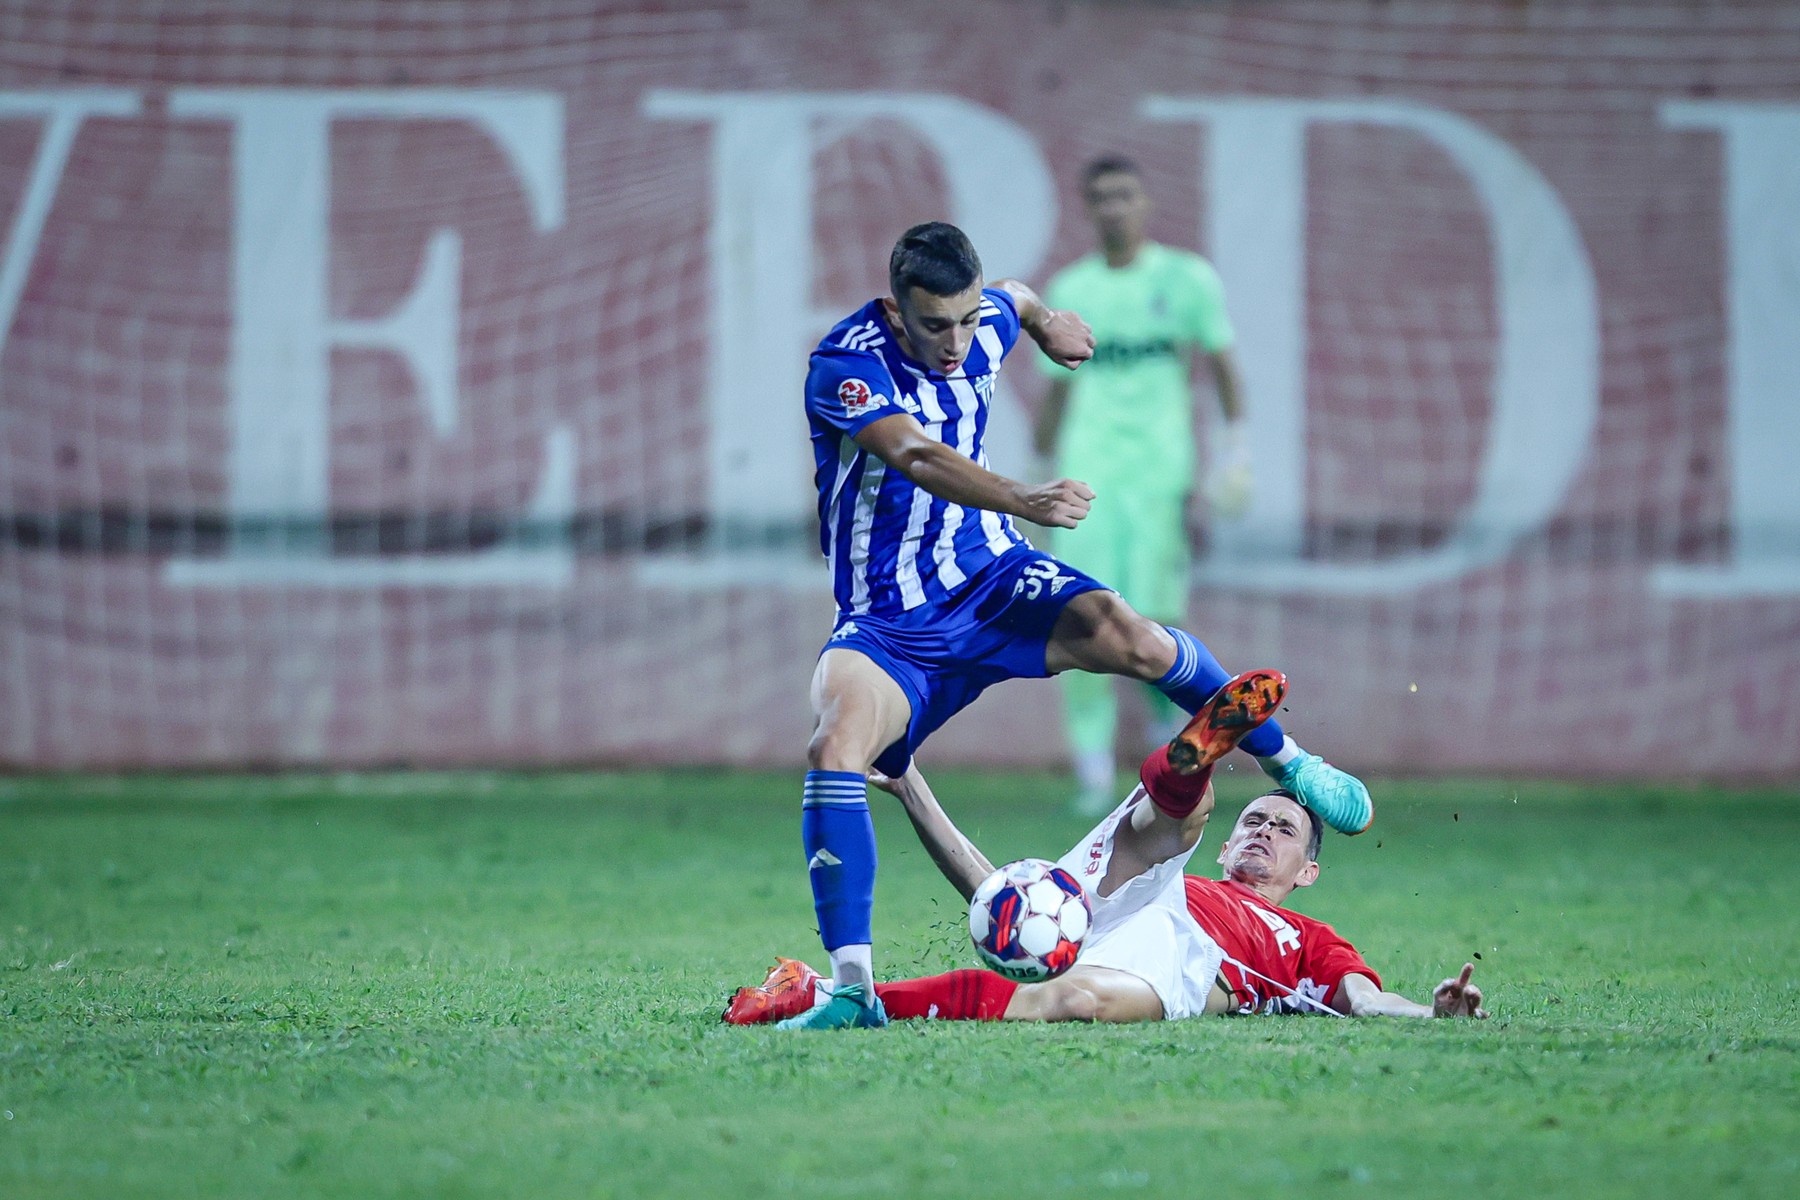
x=1109, y=164
x=1315, y=835
x=936, y=257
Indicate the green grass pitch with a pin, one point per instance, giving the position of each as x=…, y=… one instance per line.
x=508, y=985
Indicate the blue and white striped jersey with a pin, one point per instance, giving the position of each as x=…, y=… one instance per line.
x=892, y=546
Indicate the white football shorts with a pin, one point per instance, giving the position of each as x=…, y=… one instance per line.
x=1144, y=928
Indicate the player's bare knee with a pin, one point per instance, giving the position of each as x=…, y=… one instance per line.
x=1103, y=633
x=1149, y=651
x=833, y=748
x=1133, y=644
x=1069, y=999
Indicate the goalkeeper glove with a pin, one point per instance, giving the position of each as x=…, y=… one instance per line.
x=1228, y=482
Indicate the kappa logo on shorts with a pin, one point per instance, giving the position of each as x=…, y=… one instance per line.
x=855, y=396
x=1038, y=576
x=841, y=632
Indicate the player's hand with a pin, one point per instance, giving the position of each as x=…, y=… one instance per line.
x=905, y=788
x=1065, y=337
x=1058, y=504
x=1458, y=997
x=1228, y=490
x=1229, y=485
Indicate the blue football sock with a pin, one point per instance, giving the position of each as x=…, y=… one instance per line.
x=840, y=855
x=1193, y=679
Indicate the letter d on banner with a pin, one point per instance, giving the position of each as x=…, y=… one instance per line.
x=1762, y=305
x=1546, y=368
x=764, y=321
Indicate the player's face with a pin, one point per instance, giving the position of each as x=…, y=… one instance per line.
x=1118, y=206
x=1268, y=845
x=938, y=330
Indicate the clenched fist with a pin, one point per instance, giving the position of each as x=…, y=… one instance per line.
x=1065, y=337
x=1059, y=503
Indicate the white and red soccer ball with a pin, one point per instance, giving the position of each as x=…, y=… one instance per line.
x=1027, y=920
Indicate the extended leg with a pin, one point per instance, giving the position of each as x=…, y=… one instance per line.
x=1083, y=994
x=1099, y=632
x=1177, y=778
x=860, y=711
x=1086, y=994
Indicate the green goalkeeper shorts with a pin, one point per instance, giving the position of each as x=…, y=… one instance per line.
x=1134, y=540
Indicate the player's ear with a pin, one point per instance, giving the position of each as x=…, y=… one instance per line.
x=1309, y=875
x=890, y=308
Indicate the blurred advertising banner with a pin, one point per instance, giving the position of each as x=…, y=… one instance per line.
x=420, y=384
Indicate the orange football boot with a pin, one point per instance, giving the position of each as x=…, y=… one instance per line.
x=1244, y=702
x=787, y=991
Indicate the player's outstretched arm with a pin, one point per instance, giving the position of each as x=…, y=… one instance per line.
x=902, y=443
x=1358, y=996
x=1059, y=332
x=956, y=856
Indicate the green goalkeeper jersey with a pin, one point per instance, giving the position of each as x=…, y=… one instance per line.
x=1129, y=420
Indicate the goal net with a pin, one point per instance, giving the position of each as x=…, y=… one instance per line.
x=419, y=384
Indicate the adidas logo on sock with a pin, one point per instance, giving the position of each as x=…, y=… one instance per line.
x=824, y=858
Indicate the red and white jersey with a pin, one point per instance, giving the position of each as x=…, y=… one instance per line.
x=1292, y=949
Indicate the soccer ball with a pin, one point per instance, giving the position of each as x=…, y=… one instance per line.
x=1027, y=920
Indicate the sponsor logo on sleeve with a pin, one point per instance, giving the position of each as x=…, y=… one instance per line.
x=856, y=397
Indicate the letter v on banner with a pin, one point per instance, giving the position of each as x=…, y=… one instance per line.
x=62, y=114
x=1546, y=367
x=283, y=336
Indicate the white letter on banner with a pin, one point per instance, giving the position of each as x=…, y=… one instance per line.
x=283, y=336
x=62, y=114
x=1546, y=371
x=1762, y=306
x=764, y=321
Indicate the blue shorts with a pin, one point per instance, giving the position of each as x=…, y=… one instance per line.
x=945, y=655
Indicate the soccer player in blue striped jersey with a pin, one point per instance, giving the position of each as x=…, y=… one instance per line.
x=938, y=593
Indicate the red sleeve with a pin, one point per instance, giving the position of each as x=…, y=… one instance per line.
x=1325, y=957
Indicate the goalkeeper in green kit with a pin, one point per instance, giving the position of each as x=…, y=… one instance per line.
x=1124, y=425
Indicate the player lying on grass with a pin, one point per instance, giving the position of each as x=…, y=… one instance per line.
x=1164, y=945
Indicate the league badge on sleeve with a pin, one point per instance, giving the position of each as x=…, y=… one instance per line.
x=856, y=397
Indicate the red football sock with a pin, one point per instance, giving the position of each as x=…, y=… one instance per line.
x=957, y=996
x=1172, y=792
